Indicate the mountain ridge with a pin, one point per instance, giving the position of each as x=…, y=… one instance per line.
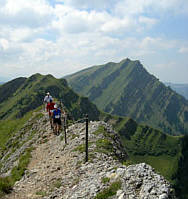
x=59, y=170
x=24, y=94
x=127, y=89
x=11, y=132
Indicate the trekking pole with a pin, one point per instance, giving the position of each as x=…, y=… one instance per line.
x=86, y=138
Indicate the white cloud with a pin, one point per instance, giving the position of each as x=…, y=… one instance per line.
x=148, y=21
x=71, y=20
x=90, y=4
x=129, y=7
x=25, y=13
x=117, y=25
x=4, y=44
x=13, y=7
x=183, y=50
x=38, y=37
x=170, y=71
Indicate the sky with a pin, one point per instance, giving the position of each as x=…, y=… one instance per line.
x=60, y=37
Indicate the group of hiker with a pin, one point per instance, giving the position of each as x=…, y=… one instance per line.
x=54, y=112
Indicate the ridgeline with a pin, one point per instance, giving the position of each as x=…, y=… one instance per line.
x=127, y=89
x=43, y=166
x=23, y=127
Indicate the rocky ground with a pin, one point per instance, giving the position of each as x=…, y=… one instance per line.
x=58, y=170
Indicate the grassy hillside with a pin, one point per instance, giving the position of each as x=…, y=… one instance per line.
x=167, y=154
x=127, y=89
x=19, y=99
x=21, y=95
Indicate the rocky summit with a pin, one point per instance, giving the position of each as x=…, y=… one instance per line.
x=58, y=171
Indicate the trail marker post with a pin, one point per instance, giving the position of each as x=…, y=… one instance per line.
x=86, y=138
x=64, y=120
x=65, y=129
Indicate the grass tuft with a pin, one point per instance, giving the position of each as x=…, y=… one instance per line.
x=110, y=191
x=6, y=184
x=105, y=180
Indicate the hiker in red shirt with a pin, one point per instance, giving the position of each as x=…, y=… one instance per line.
x=50, y=108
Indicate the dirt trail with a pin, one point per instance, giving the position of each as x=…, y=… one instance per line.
x=48, y=164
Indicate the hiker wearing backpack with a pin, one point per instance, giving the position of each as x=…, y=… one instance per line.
x=47, y=99
x=57, y=119
x=50, y=108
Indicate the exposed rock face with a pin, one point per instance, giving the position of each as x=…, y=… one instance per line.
x=59, y=171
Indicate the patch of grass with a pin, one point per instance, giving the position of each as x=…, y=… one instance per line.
x=39, y=108
x=128, y=162
x=62, y=137
x=105, y=180
x=17, y=172
x=80, y=148
x=91, y=156
x=41, y=193
x=99, y=131
x=76, y=181
x=38, y=116
x=165, y=165
x=5, y=186
x=57, y=184
x=104, y=146
x=79, y=162
x=110, y=191
x=73, y=136
x=8, y=128
x=45, y=140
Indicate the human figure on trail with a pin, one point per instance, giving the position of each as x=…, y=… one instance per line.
x=50, y=108
x=57, y=119
x=47, y=99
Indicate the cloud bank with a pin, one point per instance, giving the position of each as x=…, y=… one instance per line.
x=64, y=36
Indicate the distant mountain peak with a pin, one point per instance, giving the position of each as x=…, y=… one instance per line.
x=21, y=95
x=125, y=60
x=128, y=89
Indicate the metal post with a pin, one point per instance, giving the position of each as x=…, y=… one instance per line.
x=86, y=138
x=65, y=130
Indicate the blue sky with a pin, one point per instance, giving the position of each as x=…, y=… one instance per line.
x=64, y=36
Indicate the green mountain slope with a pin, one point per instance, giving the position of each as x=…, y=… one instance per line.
x=22, y=95
x=19, y=97
x=166, y=153
x=127, y=89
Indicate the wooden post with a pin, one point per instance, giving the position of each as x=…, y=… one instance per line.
x=86, y=138
x=65, y=130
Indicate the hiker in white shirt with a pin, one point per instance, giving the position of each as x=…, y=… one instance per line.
x=47, y=99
